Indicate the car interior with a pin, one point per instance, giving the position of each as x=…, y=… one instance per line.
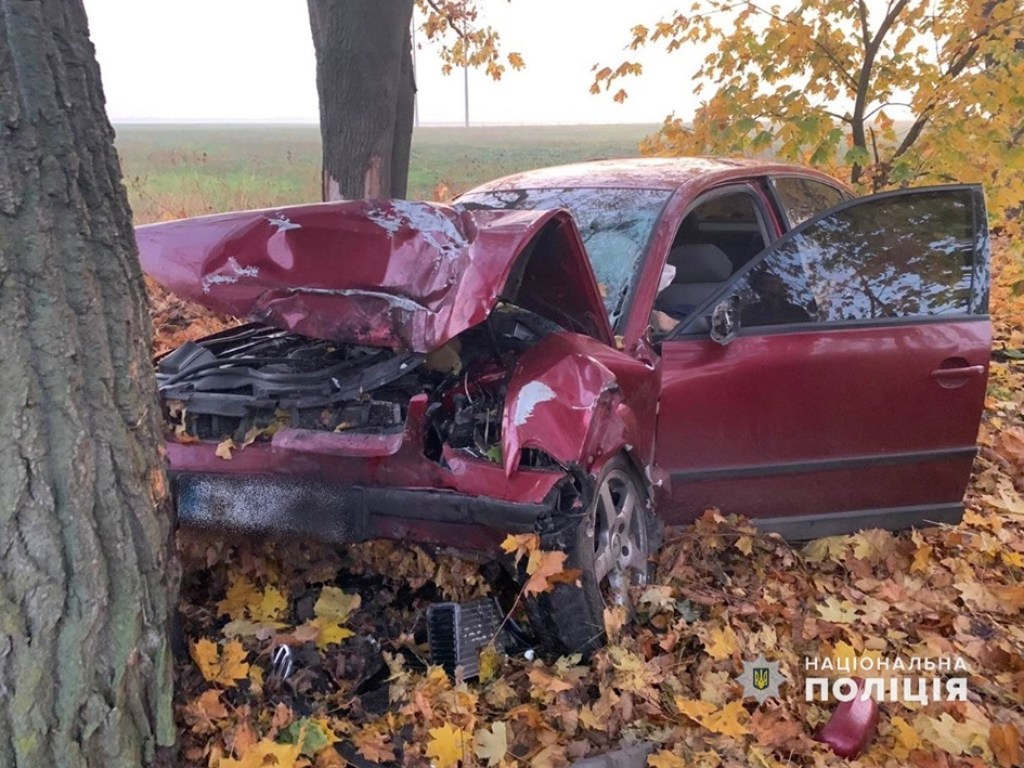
x=715, y=240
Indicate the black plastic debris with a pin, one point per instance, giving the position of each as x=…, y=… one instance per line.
x=457, y=631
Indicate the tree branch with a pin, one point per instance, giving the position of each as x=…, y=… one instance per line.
x=880, y=107
x=954, y=71
x=850, y=80
x=447, y=17
x=872, y=46
x=1016, y=136
x=865, y=33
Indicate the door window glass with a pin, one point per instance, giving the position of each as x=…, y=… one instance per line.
x=802, y=199
x=894, y=256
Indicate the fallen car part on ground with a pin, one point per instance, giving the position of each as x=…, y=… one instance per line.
x=852, y=725
x=456, y=633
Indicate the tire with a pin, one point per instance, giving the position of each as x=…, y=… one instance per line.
x=611, y=548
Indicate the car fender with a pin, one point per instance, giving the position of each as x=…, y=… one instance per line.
x=566, y=403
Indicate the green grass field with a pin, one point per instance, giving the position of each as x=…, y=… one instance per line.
x=173, y=171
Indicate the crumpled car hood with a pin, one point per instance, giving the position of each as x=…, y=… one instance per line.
x=391, y=273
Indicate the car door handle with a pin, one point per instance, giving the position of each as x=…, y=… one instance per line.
x=964, y=372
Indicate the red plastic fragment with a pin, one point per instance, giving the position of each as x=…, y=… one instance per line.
x=852, y=725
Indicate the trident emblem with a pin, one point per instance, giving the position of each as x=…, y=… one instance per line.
x=762, y=677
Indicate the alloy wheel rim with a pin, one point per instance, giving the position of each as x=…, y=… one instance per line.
x=620, y=538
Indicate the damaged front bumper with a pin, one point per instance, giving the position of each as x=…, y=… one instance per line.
x=345, y=487
x=278, y=506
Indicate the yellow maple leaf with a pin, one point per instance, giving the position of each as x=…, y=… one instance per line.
x=223, y=667
x=256, y=678
x=551, y=756
x=838, y=611
x=978, y=595
x=447, y=745
x=966, y=738
x=520, y=544
x=329, y=632
x=666, y=759
x=872, y=545
x=695, y=709
x=490, y=745
x=206, y=655
x=269, y=606
x=240, y=595
x=336, y=605
x=721, y=643
x=922, y=559
x=542, y=567
x=905, y=738
x=265, y=754
x=830, y=547
x=490, y=663
x=730, y=720
x=1013, y=559
x=253, y=610
x=542, y=680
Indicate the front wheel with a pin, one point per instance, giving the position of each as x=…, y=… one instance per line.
x=611, y=548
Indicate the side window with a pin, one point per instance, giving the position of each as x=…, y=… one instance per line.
x=802, y=199
x=904, y=255
x=720, y=235
x=730, y=222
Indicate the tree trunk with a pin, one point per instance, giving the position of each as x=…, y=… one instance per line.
x=405, y=112
x=87, y=576
x=365, y=84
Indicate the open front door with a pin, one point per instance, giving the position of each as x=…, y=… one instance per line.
x=852, y=394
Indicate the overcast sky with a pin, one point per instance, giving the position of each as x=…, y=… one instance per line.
x=223, y=60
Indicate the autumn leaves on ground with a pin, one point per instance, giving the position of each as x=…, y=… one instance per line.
x=361, y=690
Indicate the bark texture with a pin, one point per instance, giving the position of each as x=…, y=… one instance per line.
x=365, y=83
x=86, y=573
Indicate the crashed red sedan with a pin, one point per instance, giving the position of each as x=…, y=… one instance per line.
x=567, y=350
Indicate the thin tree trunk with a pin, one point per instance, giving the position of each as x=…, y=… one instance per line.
x=361, y=49
x=86, y=572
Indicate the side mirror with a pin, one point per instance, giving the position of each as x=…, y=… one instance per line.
x=725, y=320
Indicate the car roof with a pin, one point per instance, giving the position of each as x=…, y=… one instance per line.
x=648, y=173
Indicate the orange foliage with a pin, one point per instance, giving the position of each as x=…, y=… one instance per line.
x=176, y=320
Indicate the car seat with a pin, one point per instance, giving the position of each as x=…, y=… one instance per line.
x=701, y=269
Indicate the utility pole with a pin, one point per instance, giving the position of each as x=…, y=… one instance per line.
x=465, y=75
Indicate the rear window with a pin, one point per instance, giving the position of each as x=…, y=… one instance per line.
x=803, y=199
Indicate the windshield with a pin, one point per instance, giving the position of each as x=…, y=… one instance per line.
x=616, y=225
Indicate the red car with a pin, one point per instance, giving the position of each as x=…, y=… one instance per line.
x=567, y=350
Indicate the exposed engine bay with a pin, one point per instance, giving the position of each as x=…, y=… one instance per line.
x=247, y=382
